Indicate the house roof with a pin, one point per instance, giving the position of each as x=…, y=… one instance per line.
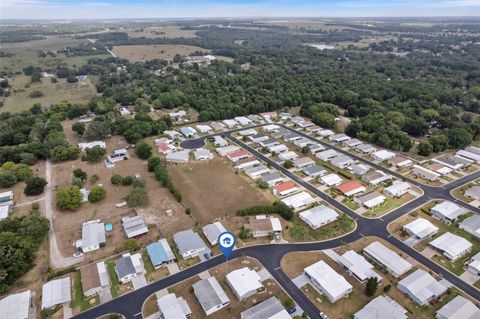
x=388, y=258
x=382, y=307
x=383, y=154
x=449, y=210
x=349, y=186
x=209, y=293
x=244, y=280
x=271, y=176
x=303, y=161
x=90, y=277
x=212, y=231
x=271, y=224
x=134, y=226
x=375, y=176
x=473, y=192
x=182, y=156
x=313, y=169
x=328, y=279
x=422, y=285
x=421, y=227
x=188, y=240
x=318, y=215
x=172, y=307
x=331, y=179
x=160, y=252
x=452, y=245
x=298, y=200
x=93, y=234
x=358, y=265
x=16, y=306
x=397, y=186
x=124, y=266
x=56, y=292
x=327, y=154
x=398, y=160
x=459, y=308
x=271, y=308
x=471, y=225
x=238, y=153
x=284, y=186
x=342, y=159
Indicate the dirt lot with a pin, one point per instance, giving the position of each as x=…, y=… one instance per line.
x=294, y=263
x=212, y=189
x=235, y=308
x=160, y=224
x=141, y=53
x=170, y=31
x=20, y=99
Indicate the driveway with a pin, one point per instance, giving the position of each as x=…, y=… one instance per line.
x=411, y=241
x=429, y=252
x=105, y=295
x=301, y=280
x=468, y=277
x=139, y=282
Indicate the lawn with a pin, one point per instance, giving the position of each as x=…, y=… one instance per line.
x=79, y=300
x=20, y=100
x=299, y=231
x=18, y=61
x=460, y=192
x=142, y=53
x=387, y=206
x=350, y=204
x=114, y=283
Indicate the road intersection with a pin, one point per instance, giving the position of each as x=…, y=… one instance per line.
x=270, y=255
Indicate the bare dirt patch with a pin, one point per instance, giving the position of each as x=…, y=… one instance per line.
x=68, y=224
x=142, y=53
x=212, y=189
x=170, y=31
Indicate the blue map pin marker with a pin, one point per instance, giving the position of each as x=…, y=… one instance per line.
x=226, y=242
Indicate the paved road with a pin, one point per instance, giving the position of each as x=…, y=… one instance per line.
x=270, y=255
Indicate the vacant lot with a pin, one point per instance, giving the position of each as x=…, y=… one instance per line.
x=20, y=60
x=68, y=224
x=212, y=189
x=170, y=31
x=20, y=100
x=50, y=43
x=142, y=53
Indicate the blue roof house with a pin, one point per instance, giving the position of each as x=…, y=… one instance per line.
x=160, y=253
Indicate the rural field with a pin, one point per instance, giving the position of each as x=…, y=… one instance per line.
x=20, y=100
x=49, y=43
x=142, y=53
x=168, y=31
x=160, y=200
x=18, y=61
x=212, y=189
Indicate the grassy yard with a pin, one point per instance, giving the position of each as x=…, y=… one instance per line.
x=460, y=192
x=387, y=206
x=79, y=300
x=114, y=283
x=350, y=204
x=301, y=232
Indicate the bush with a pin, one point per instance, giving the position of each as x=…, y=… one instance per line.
x=130, y=245
x=78, y=128
x=387, y=288
x=143, y=150
x=153, y=162
x=262, y=184
x=287, y=164
x=116, y=179
x=127, y=180
x=277, y=208
x=371, y=287
x=23, y=172
x=36, y=94
x=69, y=198
x=7, y=179
x=95, y=154
x=35, y=186
x=64, y=153
x=97, y=193
x=138, y=197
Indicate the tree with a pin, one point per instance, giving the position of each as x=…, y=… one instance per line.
x=72, y=79
x=439, y=143
x=244, y=233
x=289, y=303
x=35, y=186
x=97, y=131
x=424, y=149
x=69, y=198
x=305, y=149
x=97, y=193
x=459, y=138
x=23, y=172
x=153, y=162
x=130, y=245
x=371, y=287
x=79, y=177
x=143, y=150
x=36, y=94
x=287, y=164
x=325, y=120
x=262, y=184
x=78, y=128
x=95, y=154
x=64, y=153
x=138, y=197
x=7, y=179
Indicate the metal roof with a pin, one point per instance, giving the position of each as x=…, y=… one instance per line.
x=16, y=306
x=188, y=240
x=209, y=293
x=160, y=252
x=56, y=292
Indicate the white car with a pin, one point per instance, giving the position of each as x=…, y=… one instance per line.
x=78, y=254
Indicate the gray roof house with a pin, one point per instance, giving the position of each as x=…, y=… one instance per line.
x=447, y=211
x=314, y=171
x=212, y=231
x=341, y=161
x=134, y=226
x=458, y=308
x=421, y=287
x=382, y=307
x=210, y=295
x=189, y=243
x=473, y=192
x=471, y=225
x=56, y=292
x=125, y=269
x=93, y=235
x=272, y=178
x=270, y=308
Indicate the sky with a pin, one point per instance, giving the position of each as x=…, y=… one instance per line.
x=115, y=9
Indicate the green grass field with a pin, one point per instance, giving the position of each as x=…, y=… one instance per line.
x=20, y=60
x=20, y=100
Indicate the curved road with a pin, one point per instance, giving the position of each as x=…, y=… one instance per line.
x=270, y=255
